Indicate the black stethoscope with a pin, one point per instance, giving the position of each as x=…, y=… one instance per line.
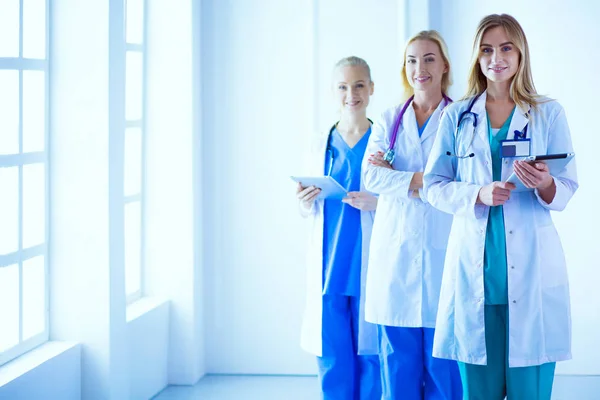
x=329, y=148
x=468, y=113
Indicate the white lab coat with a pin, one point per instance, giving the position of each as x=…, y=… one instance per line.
x=408, y=244
x=311, y=339
x=538, y=288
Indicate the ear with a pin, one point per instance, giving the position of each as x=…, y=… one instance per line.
x=446, y=68
x=372, y=86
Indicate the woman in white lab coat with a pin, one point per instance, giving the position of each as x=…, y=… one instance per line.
x=409, y=238
x=334, y=328
x=504, y=309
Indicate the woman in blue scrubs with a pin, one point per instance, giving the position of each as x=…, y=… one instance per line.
x=334, y=327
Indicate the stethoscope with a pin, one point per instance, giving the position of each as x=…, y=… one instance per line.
x=390, y=154
x=329, y=148
x=468, y=113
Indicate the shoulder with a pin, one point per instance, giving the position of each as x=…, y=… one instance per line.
x=386, y=118
x=458, y=106
x=549, y=109
x=453, y=110
x=390, y=113
x=549, y=106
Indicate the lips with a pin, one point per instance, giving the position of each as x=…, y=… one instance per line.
x=422, y=79
x=498, y=69
x=352, y=103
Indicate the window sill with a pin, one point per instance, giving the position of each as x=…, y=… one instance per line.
x=143, y=306
x=33, y=359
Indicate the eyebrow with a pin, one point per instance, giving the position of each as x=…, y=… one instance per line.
x=428, y=54
x=501, y=44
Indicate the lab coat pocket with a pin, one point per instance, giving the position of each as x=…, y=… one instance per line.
x=553, y=267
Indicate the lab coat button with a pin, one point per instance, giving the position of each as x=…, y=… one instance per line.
x=514, y=302
x=510, y=232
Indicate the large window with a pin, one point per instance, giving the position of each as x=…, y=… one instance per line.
x=134, y=146
x=23, y=176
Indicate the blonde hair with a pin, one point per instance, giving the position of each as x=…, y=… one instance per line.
x=522, y=89
x=353, y=61
x=435, y=37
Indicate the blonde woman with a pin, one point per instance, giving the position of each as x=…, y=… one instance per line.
x=408, y=245
x=504, y=310
x=334, y=328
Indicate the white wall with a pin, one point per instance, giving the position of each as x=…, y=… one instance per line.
x=254, y=276
x=266, y=87
x=171, y=269
x=51, y=371
x=563, y=39
x=147, y=350
x=266, y=69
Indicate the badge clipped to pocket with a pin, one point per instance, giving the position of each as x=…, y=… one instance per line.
x=516, y=148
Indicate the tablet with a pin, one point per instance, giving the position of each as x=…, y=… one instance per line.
x=556, y=163
x=330, y=189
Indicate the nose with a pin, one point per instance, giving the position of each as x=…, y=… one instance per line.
x=496, y=56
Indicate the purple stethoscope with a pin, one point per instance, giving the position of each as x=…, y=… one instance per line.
x=390, y=153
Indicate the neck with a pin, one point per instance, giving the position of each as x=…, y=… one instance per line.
x=427, y=100
x=498, y=91
x=355, y=123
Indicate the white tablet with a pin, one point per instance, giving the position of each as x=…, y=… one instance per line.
x=330, y=189
x=556, y=163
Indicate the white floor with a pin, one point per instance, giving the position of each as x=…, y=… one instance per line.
x=243, y=387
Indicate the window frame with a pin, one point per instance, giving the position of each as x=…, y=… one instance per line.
x=19, y=160
x=141, y=125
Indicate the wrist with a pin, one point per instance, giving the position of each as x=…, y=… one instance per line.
x=548, y=184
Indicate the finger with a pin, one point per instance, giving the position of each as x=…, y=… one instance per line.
x=506, y=186
x=541, y=166
x=305, y=192
x=529, y=169
x=353, y=194
x=312, y=196
x=532, y=174
x=524, y=178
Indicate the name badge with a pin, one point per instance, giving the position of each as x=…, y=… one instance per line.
x=516, y=148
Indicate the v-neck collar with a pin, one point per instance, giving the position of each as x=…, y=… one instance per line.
x=503, y=131
x=365, y=135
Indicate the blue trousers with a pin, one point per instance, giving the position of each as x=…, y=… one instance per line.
x=343, y=374
x=410, y=372
x=495, y=380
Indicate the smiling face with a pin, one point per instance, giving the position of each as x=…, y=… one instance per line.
x=498, y=56
x=352, y=88
x=424, y=65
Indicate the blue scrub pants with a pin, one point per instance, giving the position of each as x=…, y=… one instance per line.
x=410, y=372
x=343, y=374
x=495, y=380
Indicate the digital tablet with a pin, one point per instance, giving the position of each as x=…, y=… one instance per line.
x=556, y=163
x=330, y=189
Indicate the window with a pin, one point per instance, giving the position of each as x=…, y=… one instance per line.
x=134, y=146
x=23, y=176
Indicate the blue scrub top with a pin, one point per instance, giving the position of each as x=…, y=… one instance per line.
x=342, y=237
x=495, y=264
x=422, y=128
